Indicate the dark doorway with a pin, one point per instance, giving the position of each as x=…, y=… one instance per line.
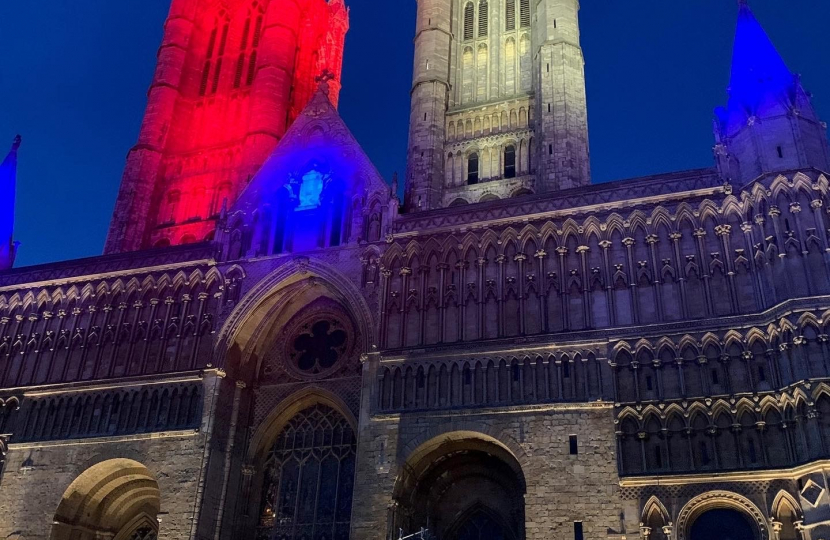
x=480, y=525
x=467, y=489
x=723, y=524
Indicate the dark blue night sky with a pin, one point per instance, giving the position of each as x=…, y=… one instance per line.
x=73, y=77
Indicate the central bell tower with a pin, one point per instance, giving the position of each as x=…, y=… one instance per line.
x=498, y=101
x=232, y=75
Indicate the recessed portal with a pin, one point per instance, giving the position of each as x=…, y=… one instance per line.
x=463, y=489
x=723, y=524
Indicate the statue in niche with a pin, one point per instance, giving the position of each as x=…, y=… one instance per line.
x=310, y=189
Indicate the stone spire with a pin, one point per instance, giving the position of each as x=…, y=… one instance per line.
x=769, y=123
x=8, y=177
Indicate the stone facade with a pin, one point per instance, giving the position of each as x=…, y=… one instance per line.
x=498, y=102
x=612, y=361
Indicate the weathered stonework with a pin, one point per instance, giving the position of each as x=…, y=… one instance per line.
x=610, y=361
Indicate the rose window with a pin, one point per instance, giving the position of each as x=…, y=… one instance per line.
x=319, y=349
x=318, y=344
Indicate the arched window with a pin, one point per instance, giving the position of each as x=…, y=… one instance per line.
x=510, y=161
x=481, y=72
x=510, y=16
x=243, y=48
x=525, y=13
x=217, y=43
x=309, y=476
x=467, y=81
x=483, y=18
x=525, y=65
x=472, y=168
x=469, y=21
x=255, y=39
x=509, y=70
x=173, y=199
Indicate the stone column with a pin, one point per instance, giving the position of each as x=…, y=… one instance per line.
x=586, y=301
x=724, y=232
x=520, y=260
x=632, y=278
x=481, y=262
x=679, y=362
x=758, y=289
x=795, y=210
x=543, y=292
x=652, y=240
x=681, y=274
x=385, y=274
x=501, y=259
x=605, y=245
x=563, y=251
x=700, y=234
x=442, y=268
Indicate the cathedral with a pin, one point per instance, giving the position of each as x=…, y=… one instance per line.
x=274, y=346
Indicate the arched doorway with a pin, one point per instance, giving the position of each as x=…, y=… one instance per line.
x=723, y=524
x=117, y=498
x=462, y=487
x=309, y=478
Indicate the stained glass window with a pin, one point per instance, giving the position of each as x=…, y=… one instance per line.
x=309, y=478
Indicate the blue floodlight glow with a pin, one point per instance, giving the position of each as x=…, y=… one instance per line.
x=760, y=80
x=8, y=175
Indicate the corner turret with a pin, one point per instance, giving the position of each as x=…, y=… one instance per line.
x=8, y=178
x=769, y=124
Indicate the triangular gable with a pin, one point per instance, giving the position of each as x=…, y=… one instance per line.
x=318, y=139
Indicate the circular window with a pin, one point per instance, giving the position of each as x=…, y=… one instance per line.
x=318, y=344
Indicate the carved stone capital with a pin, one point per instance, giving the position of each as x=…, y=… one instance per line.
x=723, y=230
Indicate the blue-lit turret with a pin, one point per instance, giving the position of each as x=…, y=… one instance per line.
x=8, y=175
x=769, y=124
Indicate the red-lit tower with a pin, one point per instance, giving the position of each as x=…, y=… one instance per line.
x=231, y=77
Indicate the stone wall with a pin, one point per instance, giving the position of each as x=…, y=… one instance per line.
x=561, y=488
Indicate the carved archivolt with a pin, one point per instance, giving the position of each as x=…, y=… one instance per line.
x=712, y=500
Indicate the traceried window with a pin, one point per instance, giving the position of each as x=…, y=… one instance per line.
x=469, y=20
x=255, y=39
x=472, y=168
x=483, y=18
x=217, y=43
x=510, y=15
x=524, y=6
x=510, y=161
x=144, y=533
x=481, y=526
x=309, y=478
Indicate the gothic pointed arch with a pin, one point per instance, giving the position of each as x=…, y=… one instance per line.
x=117, y=497
x=460, y=481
